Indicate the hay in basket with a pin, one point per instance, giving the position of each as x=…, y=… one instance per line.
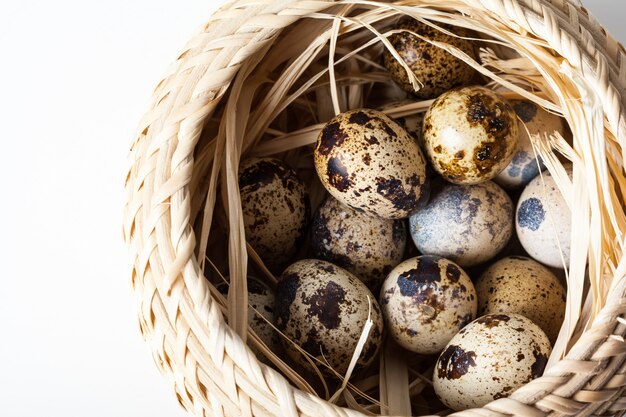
x=260, y=79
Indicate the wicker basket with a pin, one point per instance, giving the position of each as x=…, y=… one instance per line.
x=188, y=148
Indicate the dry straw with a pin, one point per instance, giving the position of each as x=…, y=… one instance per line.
x=260, y=79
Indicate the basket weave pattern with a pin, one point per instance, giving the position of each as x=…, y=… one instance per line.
x=215, y=374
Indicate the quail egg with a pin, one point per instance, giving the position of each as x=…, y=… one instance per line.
x=436, y=69
x=489, y=359
x=468, y=224
x=323, y=308
x=426, y=301
x=543, y=221
x=367, y=246
x=275, y=208
x=524, y=166
x=470, y=134
x=368, y=162
x=260, y=311
x=522, y=286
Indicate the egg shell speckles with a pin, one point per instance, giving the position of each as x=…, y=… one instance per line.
x=524, y=166
x=370, y=163
x=436, y=69
x=544, y=221
x=470, y=134
x=522, y=286
x=467, y=224
x=489, y=359
x=323, y=308
x=367, y=246
x=426, y=300
x=260, y=311
x=275, y=208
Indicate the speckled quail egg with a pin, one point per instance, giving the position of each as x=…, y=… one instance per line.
x=323, y=309
x=489, y=359
x=468, y=224
x=426, y=301
x=370, y=163
x=524, y=166
x=522, y=286
x=470, y=134
x=367, y=246
x=275, y=208
x=436, y=69
x=413, y=123
x=260, y=311
x=544, y=221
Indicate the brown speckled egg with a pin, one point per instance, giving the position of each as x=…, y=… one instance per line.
x=260, y=311
x=426, y=301
x=468, y=224
x=436, y=69
x=275, y=208
x=489, y=359
x=522, y=286
x=544, y=221
x=367, y=246
x=524, y=166
x=470, y=134
x=368, y=162
x=323, y=308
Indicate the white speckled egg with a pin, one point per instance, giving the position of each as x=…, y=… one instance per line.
x=367, y=246
x=544, y=221
x=489, y=359
x=275, y=208
x=524, y=166
x=436, y=69
x=426, y=301
x=468, y=224
x=260, y=311
x=522, y=286
x=323, y=308
x=470, y=134
x=368, y=162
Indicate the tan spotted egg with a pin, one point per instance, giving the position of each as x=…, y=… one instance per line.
x=523, y=286
x=470, y=134
x=544, y=221
x=367, y=246
x=524, y=166
x=260, y=311
x=322, y=308
x=275, y=208
x=426, y=301
x=468, y=224
x=489, y=359
x=437, y=70
x=370, y=163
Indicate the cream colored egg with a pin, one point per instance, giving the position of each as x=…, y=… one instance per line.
x=275, y=208
x=544, y=221
x=522, y=286
x=470, y=134
x=260, y=311
x=323, y=308
x=368, y=162
x=436, y=69
x=489, y=359
x=426, y=301
x=468, y=224
x=367, y=246
x=524, y=166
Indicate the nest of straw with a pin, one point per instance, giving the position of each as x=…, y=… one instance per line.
x=261, y=79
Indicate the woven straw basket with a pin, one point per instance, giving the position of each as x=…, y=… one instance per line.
x=224, y=99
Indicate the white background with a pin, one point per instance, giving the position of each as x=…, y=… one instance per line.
x=75, y=77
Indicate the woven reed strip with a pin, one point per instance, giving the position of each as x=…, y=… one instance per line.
x=214, y=372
